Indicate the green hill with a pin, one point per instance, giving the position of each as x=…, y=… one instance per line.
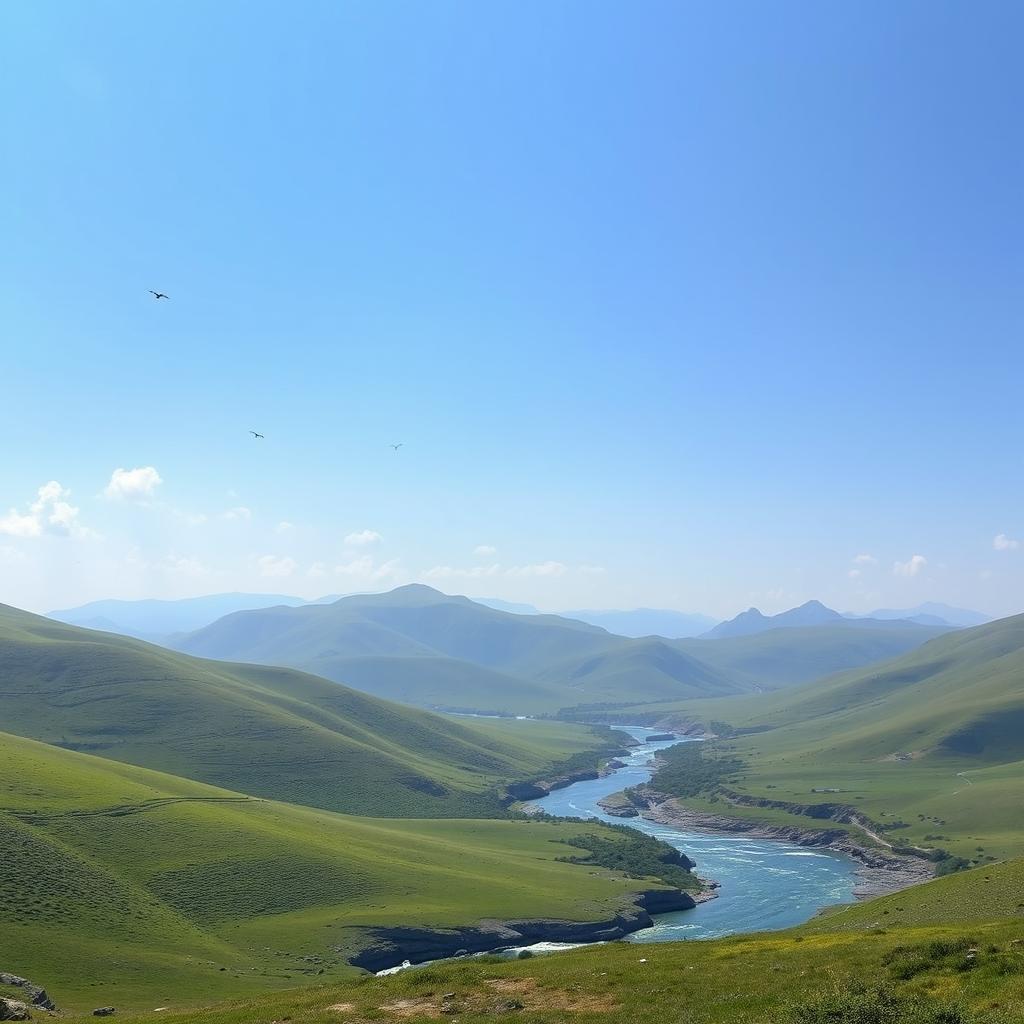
x=269, y=732
x=788, y=656
x=948, y=952
x=126, y=886
x=929, y=745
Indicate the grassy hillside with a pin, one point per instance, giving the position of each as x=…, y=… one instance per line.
x=785, y=657
x=270, y=732
x=929, y=745
x=126, y=886
x=638, y=672
x=944, y=953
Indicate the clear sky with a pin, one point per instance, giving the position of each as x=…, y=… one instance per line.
x=684, y=305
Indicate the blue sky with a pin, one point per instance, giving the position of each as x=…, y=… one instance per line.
x=685, y=305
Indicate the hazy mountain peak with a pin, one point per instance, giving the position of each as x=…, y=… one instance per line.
x=810, y=613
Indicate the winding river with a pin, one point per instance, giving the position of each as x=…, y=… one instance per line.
x=765, y=884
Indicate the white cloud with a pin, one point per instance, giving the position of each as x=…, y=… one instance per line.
x=366, y=569
x=540, y=569
x=593, y=570
x=133, y=484
x=865, y=560
x=485, y=551
x=49, y=513
x=238, y=512
x=317, y=570
x=272, y=565
x=443, y=572
x=283, y=527
x=854, y=574
x=911, y=567
x=1003, y=543
x=11, y=556
x=363, y=538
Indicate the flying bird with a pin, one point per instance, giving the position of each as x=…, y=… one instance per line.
x=397, y=446
x=158, y=295
x=254, y=434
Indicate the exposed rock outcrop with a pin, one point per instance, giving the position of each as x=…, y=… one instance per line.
x=36, y=993
x=13, y=1009
x=878, y=871
x=390, y=947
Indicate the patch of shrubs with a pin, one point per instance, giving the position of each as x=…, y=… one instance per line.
x=875, y=1004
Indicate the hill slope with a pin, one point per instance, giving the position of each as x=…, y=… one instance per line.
x=786, y=656
x=943, y=953
x=270, y=732
x=932, y=742
x=132, y=887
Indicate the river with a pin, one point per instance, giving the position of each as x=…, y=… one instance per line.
x=765, y=884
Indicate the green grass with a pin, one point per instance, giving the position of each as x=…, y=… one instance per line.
x=930, y=746
x=269, y=732
x=913, y=947
x=123, y=885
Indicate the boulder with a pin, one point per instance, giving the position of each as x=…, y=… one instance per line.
x=11, y=1009
x=103, y=1011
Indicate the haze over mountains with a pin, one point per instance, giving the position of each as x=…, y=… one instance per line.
x=155, y=620
x=422, y=647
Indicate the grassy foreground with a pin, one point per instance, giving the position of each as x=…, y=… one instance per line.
x=949, y=951
x=126, y=886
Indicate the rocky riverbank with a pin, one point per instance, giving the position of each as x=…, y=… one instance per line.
x=390, y=947
x=878, y=871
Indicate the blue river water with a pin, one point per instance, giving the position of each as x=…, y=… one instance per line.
x=764, y=884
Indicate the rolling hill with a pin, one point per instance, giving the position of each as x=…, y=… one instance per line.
x=947, y=952
x=139, y=889
x=786, y=656
x=930, y=745
x=269, y=732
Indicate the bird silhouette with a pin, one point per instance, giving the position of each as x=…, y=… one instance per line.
x=254, y=434
x=158, y=295
x=397, y=446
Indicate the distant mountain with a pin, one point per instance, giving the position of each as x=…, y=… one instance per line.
x=423, y=647
x=789, y=656
x=154, y=620
x=514, y=607
x=932, y=613
x=639, y=622
x=813, y=613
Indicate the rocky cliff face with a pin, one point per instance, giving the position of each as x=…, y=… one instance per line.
x=389, y=947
